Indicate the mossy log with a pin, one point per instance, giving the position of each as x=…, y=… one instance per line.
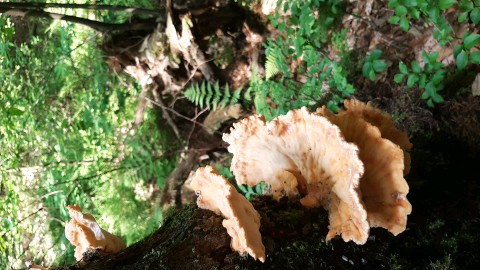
x=294, y=237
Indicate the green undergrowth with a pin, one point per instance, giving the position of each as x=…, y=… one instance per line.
x=309, y=63
x=66, y=137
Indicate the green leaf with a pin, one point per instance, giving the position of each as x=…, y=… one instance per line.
x=444, y=4
x=394, y=19
x=404, y=25
x=393, y=4
x=475, y=57
x=379, y=65
x=366, y=69
x=422, y=81
x=471, y=41
x=434, y=13
x=400, y=10
x=462, y=59
x=15, y=111
x=463, y=17
x=416, y=67
x=425, y=95
x=259, y=188
x=430, y=103
x=433, y=57
x=415, y=14
x=465, y=5
x=242, y=189
x=437, y=78
x=437, y=98
x=398, y=78
x=475, y=15
x=375, y=54
x=403, y=68
x=57, y=148
x=457, y=50
x=410, y=3
x=425, y=57
x=371, y=75
x=430, y=88
x=328, y=22
x=412, y=79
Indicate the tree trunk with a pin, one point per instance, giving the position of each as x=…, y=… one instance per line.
x=36, y=12
x=294, y=238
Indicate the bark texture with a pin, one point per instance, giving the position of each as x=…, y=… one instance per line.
x=192, y=238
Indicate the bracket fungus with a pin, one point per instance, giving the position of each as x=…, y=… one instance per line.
x=351, y=163
x=383, y=188
x=85, y=234
x=242, y=221
x=384, y=123
x=303, y=154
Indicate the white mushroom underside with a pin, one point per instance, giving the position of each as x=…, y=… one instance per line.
x=302, y=153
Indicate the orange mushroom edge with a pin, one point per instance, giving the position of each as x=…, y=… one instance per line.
x=86, y=235
x=241, y=220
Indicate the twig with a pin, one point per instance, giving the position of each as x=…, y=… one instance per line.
x=176, y=113
x=90, y=176
x=33, y=213
x=195, y=119
x=165, y=114
x=195, y=70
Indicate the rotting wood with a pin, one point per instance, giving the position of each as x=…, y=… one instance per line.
x=172, y=192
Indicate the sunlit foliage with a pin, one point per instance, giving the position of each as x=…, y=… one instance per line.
x=66, y=137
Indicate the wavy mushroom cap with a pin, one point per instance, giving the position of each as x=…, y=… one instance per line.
x=242, y=221
x=384, y=123
x=85, y=234
x=383, y=187
x=303, y=153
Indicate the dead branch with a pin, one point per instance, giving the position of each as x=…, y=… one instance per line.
x=165, y=114
x=172, y=195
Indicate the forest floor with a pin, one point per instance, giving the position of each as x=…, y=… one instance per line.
x=443, y=230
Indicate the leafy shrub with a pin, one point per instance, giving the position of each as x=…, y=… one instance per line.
x=470, y=9
x=462, y=53
x=298, y=69
x=66, y=138
x=246, y=190
x=431, y=10
x=373, y=64
x=430, y=77
x=249, y=191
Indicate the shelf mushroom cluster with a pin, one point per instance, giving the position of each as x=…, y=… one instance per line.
x=351, y=163
x=86, y=235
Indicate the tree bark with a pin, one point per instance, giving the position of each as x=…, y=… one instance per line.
x=294, y=238
x=39, y=6
x=96, y=25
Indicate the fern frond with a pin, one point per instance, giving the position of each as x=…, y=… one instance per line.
x=226, y=96
x=208, y=96
x=248, y=94
x=216, y=99
x=271, y=66
x=236, y=96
